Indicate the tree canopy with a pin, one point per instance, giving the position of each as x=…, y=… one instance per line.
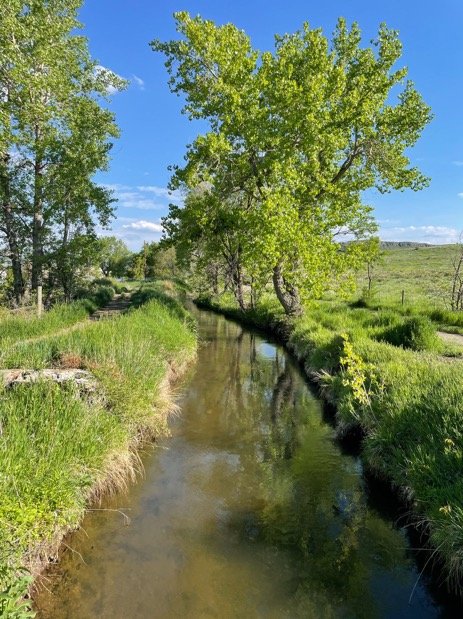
x=275, y=187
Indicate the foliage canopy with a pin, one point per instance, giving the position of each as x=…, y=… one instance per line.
x=296, y=136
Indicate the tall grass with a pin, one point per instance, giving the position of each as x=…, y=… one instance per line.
x=58, y=447
x=13, y=327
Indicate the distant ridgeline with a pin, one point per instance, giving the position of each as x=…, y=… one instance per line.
x=396, y=244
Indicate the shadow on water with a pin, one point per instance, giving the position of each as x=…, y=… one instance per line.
x=250, y=509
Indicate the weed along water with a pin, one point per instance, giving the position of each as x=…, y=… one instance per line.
x=250, y=509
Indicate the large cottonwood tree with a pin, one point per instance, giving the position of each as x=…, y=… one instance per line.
x=299, y=134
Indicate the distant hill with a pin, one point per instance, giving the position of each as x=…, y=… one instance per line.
x=396, y=244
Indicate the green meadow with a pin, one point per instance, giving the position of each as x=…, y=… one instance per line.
x=424, y=274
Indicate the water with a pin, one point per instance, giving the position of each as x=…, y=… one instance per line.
x=249, y=510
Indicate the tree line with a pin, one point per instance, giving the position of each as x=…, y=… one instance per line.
x=55, y=134
x=274, y=190
x=154, y=260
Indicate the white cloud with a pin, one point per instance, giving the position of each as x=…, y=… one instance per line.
x=138, y=81
x=390, y=222
x=109, y=75
x=134, y=232
x=142, y=224
x=133, y=199
x=143, y=198
x=458, y=163
x=435, y=235
x=162, y=192
x=134, y=225
x=460, y=195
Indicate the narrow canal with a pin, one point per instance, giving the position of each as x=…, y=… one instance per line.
x=249, y=509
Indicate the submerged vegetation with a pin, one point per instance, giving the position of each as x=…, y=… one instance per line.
x=62, y=446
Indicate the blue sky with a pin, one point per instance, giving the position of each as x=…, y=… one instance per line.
x=154, y=133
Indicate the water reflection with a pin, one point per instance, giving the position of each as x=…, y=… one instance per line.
x=249, y=510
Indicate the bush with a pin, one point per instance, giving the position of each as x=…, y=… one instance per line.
x=447, y=317
x=119, y=288
x=103, y=295
x=416, y=333
x=102, y=281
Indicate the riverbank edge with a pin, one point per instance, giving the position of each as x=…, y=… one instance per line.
x=121, y=468
x=282, y=329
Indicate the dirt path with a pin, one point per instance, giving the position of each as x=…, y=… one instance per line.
x=38, y=338
x=451, y=338
x=118, y=305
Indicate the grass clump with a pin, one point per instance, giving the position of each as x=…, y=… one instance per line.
x=412, y=420
x=416, y=333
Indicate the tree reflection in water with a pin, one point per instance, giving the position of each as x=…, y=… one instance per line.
x=306, y=497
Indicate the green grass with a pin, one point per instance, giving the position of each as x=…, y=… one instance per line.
x=26, y=325
x=14, y=327
x=58, y=448
x=424, y=274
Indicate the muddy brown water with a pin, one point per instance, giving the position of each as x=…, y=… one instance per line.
x=250, y=509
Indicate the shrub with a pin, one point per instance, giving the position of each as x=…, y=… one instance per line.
x=447, y=317
x=416, y=333
x=103, y=295
x=102, y=281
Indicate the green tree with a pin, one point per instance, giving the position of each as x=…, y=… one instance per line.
x=114, y=256
x=299, y=134
x=211, y=237
x=54, y=135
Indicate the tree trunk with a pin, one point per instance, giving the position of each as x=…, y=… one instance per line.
x=238, y=288
x=16, y=266
x=37, y=241
x=215, y=279
x=67, y=279
x=10, y=233
x=253, y=295
x=37, y=225
x=287, y=294
x=238, y=281
x=235, y=276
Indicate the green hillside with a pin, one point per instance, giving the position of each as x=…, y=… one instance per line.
x=423, y=273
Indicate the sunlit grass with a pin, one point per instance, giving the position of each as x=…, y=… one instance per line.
x=58, y=447
x=16, y=327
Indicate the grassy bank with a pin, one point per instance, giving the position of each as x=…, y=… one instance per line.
x=16, y=327
x=406, y=399
x=60, y=448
